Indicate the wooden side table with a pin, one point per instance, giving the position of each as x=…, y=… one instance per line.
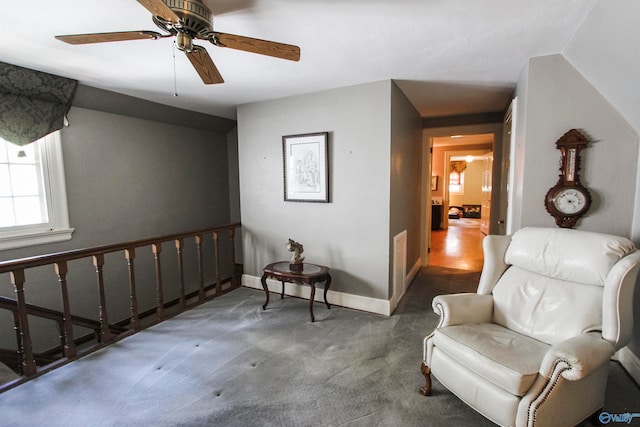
x=310, y=275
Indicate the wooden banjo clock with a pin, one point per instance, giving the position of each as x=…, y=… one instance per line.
x=569, y=200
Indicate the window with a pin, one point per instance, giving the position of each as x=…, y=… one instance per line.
x=456, y=182
x=33, y=199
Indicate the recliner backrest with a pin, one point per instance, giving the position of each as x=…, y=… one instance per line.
x=553, y=287
x=566, y=254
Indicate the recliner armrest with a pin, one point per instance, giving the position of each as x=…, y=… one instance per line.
x=459, y=309
x=576, y=357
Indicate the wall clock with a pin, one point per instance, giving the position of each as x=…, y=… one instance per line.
x=569, y=200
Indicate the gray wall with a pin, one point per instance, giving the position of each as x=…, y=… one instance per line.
x=127, y=178
x=558, y=98
x=350, y=234
x=406, y=176
x=603, y=50
x=234, y=189
x=131, y=178
x=554, y=97
x=234, y=175
x=125, y=105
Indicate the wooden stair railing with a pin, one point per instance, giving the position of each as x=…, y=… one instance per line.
x=46, y=313
x=13, y=360
x=105, y=332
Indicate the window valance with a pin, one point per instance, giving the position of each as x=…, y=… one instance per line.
x=32, y=103
x=458, y=166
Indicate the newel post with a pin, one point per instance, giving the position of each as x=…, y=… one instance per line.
x=200, y=268
x=67, y=325
x=179, y=245
x=216, y=236
x=234, y=273
x=105, y=333
x=130, y=255
x=157, y=250
x=28, y=362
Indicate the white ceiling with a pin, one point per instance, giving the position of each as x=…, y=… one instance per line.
x=450, y=57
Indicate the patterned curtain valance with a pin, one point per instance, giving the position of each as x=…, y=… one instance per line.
x=32, y=103
x=458, y=166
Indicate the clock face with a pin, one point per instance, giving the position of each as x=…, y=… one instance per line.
x=570, y=201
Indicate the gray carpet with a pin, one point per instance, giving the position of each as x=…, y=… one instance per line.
x=229, y=363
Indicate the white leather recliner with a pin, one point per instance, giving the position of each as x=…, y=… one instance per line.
x=532, y=346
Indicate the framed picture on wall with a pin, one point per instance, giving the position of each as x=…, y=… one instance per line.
x=306, y=167
x=434, y=182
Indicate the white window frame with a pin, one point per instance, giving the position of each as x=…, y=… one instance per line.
x=460, y=187
x=58, y=228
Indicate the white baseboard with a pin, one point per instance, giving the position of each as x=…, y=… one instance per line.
x=357, y=302
x=630, y=361
x=395, y=300
x=413, y=273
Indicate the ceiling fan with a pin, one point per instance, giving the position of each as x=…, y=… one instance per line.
x=188, y=20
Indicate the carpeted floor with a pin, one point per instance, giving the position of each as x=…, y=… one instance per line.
x=229, y=363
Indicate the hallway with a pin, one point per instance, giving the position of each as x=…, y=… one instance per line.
x=459, y=247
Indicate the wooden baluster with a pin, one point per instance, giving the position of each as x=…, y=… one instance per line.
x=234, y=275
x=130, y=255
x=200, y=268
x=69, y=348
x=16, y=327
x=28, y=362
x=61, y=337
x=157, y=249
x=216, y=251
x=179, y=246
x=105, y=333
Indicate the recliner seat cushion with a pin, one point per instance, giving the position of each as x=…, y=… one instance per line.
x=506, y=358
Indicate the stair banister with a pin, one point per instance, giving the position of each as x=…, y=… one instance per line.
x=105, y=331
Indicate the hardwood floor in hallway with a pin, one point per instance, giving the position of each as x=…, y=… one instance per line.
x=459, y=247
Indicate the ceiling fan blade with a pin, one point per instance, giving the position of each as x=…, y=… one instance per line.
x=160, y=9
x=108, y=37
x=202, y=62
x=263, y=47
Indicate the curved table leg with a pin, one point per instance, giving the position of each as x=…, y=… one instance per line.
x=326, y=288
x=282, y=293
x=266, y=290
x=313, y=294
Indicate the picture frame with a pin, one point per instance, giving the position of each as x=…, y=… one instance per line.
x=306, y=167
x=434, y=182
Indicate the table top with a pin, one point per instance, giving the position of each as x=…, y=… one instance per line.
x=308, y=270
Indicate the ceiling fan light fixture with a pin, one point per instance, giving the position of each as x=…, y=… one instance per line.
x=195, y=17
x=184, y=42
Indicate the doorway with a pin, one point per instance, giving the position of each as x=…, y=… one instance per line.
x=461, y=204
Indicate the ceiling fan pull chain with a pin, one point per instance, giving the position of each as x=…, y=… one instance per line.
x=175, y=78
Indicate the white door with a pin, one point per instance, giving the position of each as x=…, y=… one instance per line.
x=506, y=172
